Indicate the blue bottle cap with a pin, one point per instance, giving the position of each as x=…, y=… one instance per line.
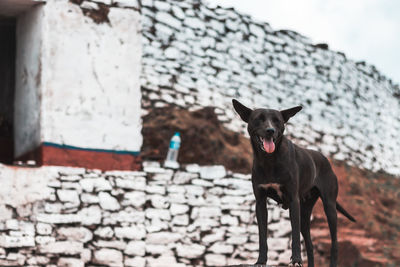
x=177, y=134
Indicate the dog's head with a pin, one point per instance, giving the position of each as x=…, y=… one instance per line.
x=265, y=126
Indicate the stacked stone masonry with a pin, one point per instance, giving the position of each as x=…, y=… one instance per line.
x=195, y=56
x=196, y=216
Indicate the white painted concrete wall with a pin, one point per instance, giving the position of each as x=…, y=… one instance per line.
x=84, y=77
x=91, y=81
x=28, y=81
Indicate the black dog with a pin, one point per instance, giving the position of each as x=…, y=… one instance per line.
x=294, y=177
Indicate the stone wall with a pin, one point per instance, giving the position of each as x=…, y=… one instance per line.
x=195, y=55
x=196, y=216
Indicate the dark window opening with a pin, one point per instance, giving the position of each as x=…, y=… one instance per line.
x=7, y=88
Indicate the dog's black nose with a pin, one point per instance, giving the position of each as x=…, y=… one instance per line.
x=270, y=131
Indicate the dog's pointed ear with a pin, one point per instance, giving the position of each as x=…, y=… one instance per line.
x=288, y=113
x=243, y=111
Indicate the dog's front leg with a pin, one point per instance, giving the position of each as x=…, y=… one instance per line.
x=262, y=216
x=294, y=211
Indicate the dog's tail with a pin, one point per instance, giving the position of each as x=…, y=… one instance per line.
x=344, y=212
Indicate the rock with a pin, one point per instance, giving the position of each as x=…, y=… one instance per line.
x=176, y=209
x=90, y=215
x=162, y=238
x=155, y=249
x=115, y=244
x=38, y=260
x=154, y=167
x=89, y=198
x=163, y=177
x=163, y=260
x=109, y=257
x=58, y=218
x=44, y=228
x=127, y=3
x=53, y=207
x=281, y=228
x=42, y=240
x=206, y=212
x=221, y=248
x=156, y=226
x=192, y=168
x=168, y=19
x=215, y=260
x=216, y=235
x=70, y=262
x=68, y=196
x=104, y=232
x=131, y=232
x=194, y=190
x=244, y=216
x=159, y=202
x=284, y=257
x=135, y=199
x=212, y=172
x=86, y=255
x=135, y=261
x=180, y=220
x=183, y=177
x=80, y=234
x=194, y=23
x=158, y=213
x=13, y=259
x=127, y=215
x=7, y=241
x=12, y=224
x=253, y=247
x=137, y=183
x=237, y=240
x=96, y=184
x=155, y=189
x=190, y=251
x=62, y=247
x=278, y=243
x=135, y=248
x=202, y=182
x=108, y=202
x=229, y=220
x=106, y=2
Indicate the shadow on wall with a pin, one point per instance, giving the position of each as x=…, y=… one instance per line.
x=7, y=78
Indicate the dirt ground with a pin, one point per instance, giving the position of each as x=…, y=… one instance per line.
x=204, y=140
x=372, y=198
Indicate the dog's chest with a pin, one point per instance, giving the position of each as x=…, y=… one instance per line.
x=273, y=186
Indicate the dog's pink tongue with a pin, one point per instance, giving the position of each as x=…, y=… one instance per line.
x=269, y=146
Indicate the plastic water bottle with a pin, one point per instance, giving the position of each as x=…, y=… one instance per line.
x=172, y=156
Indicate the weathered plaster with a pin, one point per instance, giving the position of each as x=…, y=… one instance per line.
x=91, y=92
x=78, y=81
x=23, y=186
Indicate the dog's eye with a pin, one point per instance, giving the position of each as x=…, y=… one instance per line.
x=261, y=117
x=275, y=120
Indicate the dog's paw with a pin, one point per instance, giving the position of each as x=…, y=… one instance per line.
x=296, y=264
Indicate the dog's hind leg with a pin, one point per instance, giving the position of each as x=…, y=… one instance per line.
x=331, y=214
x=306, y=207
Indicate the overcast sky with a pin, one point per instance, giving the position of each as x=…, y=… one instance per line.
x=366, y=30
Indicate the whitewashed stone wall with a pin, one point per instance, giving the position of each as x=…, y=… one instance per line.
x=195, y=56
x=197, y=216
